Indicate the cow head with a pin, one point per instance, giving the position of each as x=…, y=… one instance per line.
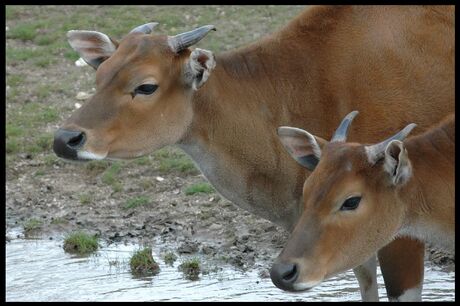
x=143, y=88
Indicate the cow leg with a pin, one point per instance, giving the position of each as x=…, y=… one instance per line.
x=367, y=279
x=401, y=263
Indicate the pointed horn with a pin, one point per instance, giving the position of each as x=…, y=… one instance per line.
x=341, y=132
x=145, y=28
x=182, y=41
x=377, y=151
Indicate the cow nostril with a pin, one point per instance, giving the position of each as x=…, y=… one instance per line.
x=290, y=276
x=76, y=140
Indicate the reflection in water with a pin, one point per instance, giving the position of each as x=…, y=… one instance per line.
x=40, y=271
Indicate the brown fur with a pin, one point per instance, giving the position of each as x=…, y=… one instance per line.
x=394, y=64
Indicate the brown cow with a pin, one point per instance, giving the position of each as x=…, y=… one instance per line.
x=393, y=63
x=361, y=197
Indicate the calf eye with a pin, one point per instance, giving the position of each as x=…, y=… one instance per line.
x=145, y=89
x=350, y=203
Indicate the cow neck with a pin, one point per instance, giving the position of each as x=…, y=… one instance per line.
x=233, y=136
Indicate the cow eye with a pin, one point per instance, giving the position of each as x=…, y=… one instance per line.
x=350, y=203
x=145, y=89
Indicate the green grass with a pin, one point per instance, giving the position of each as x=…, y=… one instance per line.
x=25, y=54
x=110, y=177
x=143, y=161
x=190, y=268
x=199, y=188
x=11, y=11
x=12, y=146
x=39, y=172
x=45, y=141
x=146, y=184
x=58, y=220
x=143, y=264
x=13, y=131
x=85, y=198
x=32, y=224
x=174, y=160
x=135, y=202
x=169, y=258
x=51, y=159
x=14, y=80
x=96, y=166
x=25, y=131
x=24, y=31
x=80, y=243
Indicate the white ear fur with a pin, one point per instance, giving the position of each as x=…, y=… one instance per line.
x=397, y=163
x=93, y=47
x=199, y=67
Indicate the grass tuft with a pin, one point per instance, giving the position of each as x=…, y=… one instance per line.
x=32, y=224
x=171, y=160
x=199, y=188
x=80, y=243
x=169, y=258
x=110, y=177
x=190, y=268
x=85, y=198
x=135, y=202
x=143, y=264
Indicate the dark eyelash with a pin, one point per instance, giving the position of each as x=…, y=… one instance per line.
x=145, y=89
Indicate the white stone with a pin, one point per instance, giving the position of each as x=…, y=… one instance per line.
x=80, y=62
x=83, y=95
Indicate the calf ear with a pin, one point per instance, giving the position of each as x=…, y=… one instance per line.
x=304, y=147
x=93, y=47
x=199, y=67
x=397, y=163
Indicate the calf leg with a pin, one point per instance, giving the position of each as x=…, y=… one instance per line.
x=401, y=263
x=367, y=278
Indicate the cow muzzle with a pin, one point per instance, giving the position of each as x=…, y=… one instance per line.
x=67, y=143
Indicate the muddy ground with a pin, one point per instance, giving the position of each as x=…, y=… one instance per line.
x=130, y=201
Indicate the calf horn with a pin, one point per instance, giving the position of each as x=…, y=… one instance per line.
x=340, y=134
x=377, y=151
x=182, y=41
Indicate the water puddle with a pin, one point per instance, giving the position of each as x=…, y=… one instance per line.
x=39, y=270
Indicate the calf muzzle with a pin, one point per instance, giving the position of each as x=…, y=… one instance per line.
x=284, y=275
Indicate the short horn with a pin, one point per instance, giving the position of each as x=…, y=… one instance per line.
x=182, y=41
x=377, y=151
x=145, y=28
x=340, y=134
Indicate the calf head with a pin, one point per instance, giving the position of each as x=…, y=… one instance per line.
x=350, y=207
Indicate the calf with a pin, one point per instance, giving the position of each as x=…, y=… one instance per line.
x=361, y=197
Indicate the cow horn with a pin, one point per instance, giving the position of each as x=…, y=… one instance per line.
x=340, y=134
x=182, y=41
x=376, y=151
x=145, y=28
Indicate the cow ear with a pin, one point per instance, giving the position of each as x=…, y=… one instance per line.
x=304, y=147
x=93, y=47
x=199, y=67
x=397, y=163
